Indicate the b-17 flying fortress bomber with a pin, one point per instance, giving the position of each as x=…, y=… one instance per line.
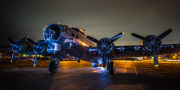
x=61, y=41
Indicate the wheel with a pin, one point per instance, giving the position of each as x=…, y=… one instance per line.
x=78, y=61
x=111, y=69
x=94, y=65
x=52, y=67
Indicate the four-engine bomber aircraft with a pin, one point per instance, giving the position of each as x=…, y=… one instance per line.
x=61, y=41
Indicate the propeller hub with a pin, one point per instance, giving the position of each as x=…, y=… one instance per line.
x=40, y=46
x=17, y=46
x=104, y=45
x=152, y=43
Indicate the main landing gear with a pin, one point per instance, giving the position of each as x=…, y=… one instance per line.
x=107, y=64
x=111, y=68
x=54, y=65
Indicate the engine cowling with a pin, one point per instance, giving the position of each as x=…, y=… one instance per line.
x=152, y=43
x=41, y=47
x=53, y=32
x=20, y=46
x=105, y=46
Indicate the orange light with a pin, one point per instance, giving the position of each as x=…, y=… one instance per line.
x=82, y=43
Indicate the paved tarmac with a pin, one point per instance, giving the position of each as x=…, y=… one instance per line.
x=130, y=75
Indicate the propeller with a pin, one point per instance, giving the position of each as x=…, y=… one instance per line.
x=17, y=45
x=153, y=43
x=138, y=36
x=10, y=40
x=105, y=46
x=35, y=49
x=165, y=34
x=116, y=37
x=12, y=43
x=39, y=47
x=92, y=39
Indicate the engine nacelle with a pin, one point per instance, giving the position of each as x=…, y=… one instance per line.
x=105, y=45
x=151, y=43
x=52, y=32
x=20, y=46
x=41, y=47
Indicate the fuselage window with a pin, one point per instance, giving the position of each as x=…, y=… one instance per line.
x=66, y=30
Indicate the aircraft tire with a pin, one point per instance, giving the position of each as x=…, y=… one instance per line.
x=52, y=67
x=78, y=61
x=111, y=69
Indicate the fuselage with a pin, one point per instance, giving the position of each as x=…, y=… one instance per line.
x=68, y=42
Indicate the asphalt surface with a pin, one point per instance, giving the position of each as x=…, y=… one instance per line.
x=130, y=75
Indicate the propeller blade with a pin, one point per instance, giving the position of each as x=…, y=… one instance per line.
x=31, y=41
x=116, y=37
x=12, y=56
x=92, y=39
x=10, y=40
x=155, y=58
x=25, y=38
x=35, y=59
x=138, y=36
x=104, y=58
x=165, y=34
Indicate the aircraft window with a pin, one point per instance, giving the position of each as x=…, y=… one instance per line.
x=73, y=35
x=77, y=36
x=66, y=30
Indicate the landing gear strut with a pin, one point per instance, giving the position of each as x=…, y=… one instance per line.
x=111, y=69
x=108, y=65
x=78, y=60
x=53, y=66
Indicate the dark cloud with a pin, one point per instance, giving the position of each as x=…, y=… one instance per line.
x=100, y=18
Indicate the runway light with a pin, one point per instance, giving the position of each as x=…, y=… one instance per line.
x=24, y=55
x=104, y=68
x=101, y=68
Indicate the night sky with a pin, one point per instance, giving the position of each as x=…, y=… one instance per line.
x=100, y=18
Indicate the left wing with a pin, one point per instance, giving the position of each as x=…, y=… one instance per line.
x=137, y=50
x=169, y=49
x=128, y=51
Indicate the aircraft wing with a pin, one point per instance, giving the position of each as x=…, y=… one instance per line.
x=169, y=49
x=128, y=51
x=137, y=50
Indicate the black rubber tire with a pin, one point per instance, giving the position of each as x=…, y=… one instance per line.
x=111, y=69
x=52, y=67
x=78, y=61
